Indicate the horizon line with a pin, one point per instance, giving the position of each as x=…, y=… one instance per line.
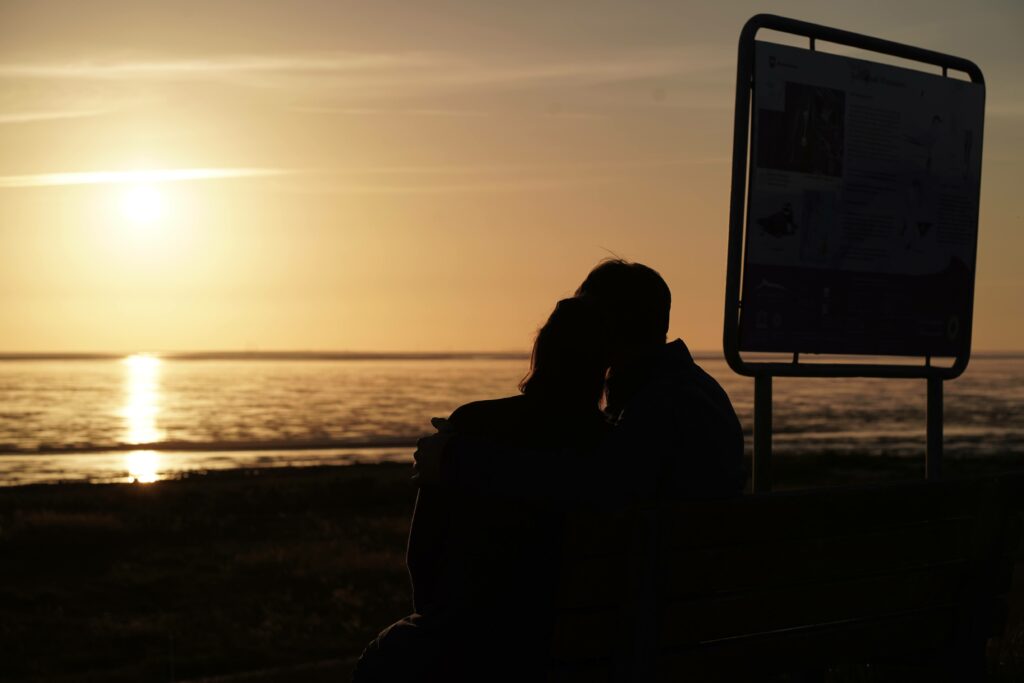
x=226, y=354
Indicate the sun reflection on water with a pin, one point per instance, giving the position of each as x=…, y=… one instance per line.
x=142, y=466
x=142, y=404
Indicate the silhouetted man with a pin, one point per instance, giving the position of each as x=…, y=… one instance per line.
x=676, y=434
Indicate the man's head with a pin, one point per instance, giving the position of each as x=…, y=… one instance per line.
x=637, y=301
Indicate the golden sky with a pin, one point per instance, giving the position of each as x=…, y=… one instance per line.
x=417, y=176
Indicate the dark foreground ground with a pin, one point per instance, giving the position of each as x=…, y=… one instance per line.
x=268, y=575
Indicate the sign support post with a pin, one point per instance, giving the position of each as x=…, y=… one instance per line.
x=761, y=477
x=933, y=455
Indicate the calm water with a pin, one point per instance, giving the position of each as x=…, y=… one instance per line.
x=146, y=418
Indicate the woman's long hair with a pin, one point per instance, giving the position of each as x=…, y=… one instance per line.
x=570, y=355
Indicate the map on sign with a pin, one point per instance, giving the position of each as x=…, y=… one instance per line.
x=863, y=207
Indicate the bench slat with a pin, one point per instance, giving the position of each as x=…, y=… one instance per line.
x=896, y=636
x=597, y=672
x=807, y=515
x=597, y=533
x=593, y=581
x=712, y=570
x=598, y=581
x=695, y=621
x=587, y=634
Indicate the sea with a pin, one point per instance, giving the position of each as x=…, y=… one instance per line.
x=144, y=417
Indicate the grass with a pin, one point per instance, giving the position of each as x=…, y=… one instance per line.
x=208, y=575
x=229, y=572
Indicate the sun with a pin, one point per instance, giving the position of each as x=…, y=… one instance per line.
x=142, y=204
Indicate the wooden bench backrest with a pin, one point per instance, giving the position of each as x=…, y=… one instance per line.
x=713, y=590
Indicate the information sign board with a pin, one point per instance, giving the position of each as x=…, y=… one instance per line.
x=862, y=213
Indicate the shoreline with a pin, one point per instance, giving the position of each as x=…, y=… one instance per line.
x=147, y=466
x=222, y=446
x=792, y=470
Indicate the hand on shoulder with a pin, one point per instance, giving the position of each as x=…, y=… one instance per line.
x=427, y=457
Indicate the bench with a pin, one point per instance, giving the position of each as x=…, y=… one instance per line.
x=766, y=584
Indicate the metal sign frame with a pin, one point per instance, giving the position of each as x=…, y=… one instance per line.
x=762, y=372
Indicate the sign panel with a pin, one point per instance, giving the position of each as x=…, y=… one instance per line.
x=863, y=207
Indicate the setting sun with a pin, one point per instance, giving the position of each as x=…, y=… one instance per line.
x=142, y=204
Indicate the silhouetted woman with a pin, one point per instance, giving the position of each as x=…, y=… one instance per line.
x=484, y=571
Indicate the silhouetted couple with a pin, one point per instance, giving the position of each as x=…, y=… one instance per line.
x=485, y=539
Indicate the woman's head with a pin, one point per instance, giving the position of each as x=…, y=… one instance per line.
x=570, y=354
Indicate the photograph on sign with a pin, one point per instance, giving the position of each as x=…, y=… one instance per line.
x=862, y=214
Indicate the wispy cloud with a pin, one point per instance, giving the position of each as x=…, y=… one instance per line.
x=469, y=178
x=398, y=179
x=409, y=70
x=36, y=116
x=635, y=65
x=568, y=168
x=395, y=111
x=139, y=176
x=208, y=68
x=442, y=113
